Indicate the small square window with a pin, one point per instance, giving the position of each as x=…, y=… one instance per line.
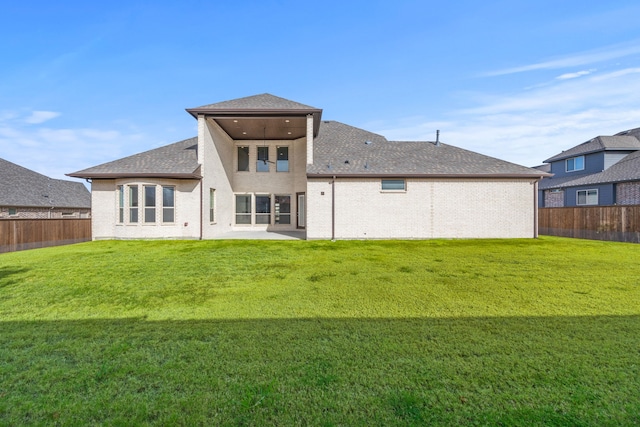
x=13, y=211
x=393, y=185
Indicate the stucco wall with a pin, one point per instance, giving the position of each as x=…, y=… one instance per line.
x=464, y=208
x=105, y=224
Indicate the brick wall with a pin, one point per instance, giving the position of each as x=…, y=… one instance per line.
x=44, y=213
x=628, y=193
x=461, y=208
x=553, y=199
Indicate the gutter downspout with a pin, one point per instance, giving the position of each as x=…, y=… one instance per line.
x=333, y=209
x=201, y=207
x=535, y=209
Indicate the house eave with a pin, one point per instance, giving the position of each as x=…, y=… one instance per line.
x=435, y=175
x=136, y=175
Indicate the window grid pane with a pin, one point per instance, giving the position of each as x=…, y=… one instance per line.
x=262, y=164
x=282, y=209
x=263, y=210
x=282, y=163
x=393, y=184
x=212, y=204
x=133, y=203
x=149, y=203
x=168, y=204
x=243, y=209
x=243, y=159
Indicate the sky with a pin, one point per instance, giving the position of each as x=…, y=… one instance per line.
x=84, y=83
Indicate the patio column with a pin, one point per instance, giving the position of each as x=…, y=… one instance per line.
x=201, y=127
x=309, y=139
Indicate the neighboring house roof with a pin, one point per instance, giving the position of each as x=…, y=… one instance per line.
x=178, y=160
x=344, y=150
x=23, y=187
x=627, y=169
x=600, y=143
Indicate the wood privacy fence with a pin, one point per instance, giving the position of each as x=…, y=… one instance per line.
x=614, y=223
x=21, y=234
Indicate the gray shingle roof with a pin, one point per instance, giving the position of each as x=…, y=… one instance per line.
x=264, y=101
x=600, y=143
x=341, y=149
x=177, y=160
x=22, y=187
x=627, y=169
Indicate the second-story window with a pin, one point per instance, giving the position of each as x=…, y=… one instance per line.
x=243, y=159
x=282, y=163
x=262, y=164
x=575, y=164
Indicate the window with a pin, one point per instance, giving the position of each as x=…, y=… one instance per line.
x=133, y=203
x=120, y=204
x=149, y=203
x=575, y=164
x=243, y=209
x=263, y=209
x=243, y=159
x=13, y=211
x=212, y=205
x=587, y=197
x=262, y=165
x=282, y=208
x=282, y=163
x=168, y=204
x=393, y=184
x=68, y=214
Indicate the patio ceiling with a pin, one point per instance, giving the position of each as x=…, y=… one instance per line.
x=263, y=128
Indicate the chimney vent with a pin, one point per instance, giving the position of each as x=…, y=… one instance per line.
x=438, y=138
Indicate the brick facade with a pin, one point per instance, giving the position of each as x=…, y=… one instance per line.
x=553, y=199
x=44, y=213
x=628, y=193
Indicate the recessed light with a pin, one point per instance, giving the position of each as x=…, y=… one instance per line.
x=286, y=121
x=244, y=133
x=289, y=133
x=235, y=121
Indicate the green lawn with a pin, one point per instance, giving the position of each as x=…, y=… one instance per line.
x=462, y=332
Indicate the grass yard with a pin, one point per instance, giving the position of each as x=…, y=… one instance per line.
x=392, y=333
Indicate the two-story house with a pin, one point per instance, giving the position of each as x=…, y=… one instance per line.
x=268, y=163
x=602, y=171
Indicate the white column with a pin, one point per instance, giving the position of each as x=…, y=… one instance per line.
x=201, y=128
x=309, y=139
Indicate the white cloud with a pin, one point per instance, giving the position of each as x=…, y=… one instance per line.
x=38, y=117
x=575, y=75
x=576, y=59
x=57, y=151
x=533, y=125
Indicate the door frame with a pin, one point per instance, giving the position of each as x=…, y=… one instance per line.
x=303, y=210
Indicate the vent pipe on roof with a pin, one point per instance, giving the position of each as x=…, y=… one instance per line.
x=438, y=138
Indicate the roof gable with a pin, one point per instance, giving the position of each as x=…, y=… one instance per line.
x=599, y=143
x=20, y=186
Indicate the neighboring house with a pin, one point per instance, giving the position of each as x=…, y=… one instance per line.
x=602, y=171
x=28, y=194
x=267, y=163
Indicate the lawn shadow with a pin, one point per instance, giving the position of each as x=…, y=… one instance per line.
x=479, y=371
x=7, y=272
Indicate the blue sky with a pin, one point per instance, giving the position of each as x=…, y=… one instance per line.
x=83, y=83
